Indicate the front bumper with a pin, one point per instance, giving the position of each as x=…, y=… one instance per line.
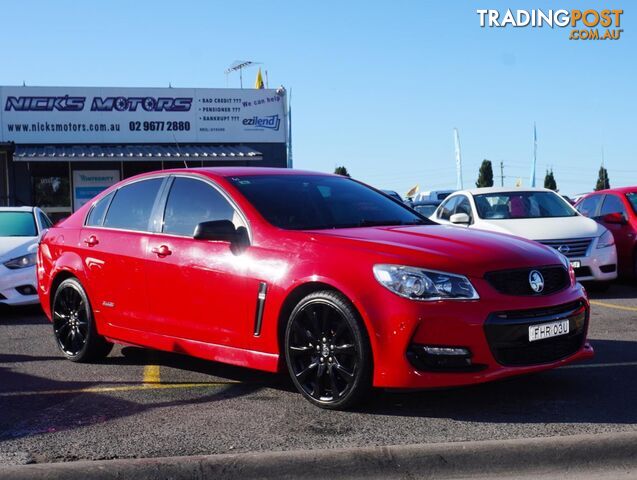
x=599, y=266
x=12, y=279
x=470, y=325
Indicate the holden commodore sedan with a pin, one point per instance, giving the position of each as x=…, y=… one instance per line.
x=316, y=274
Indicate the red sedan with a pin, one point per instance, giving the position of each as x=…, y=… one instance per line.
x=616, y=209
x=318, y=274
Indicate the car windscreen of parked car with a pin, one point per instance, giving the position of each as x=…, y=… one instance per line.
x=507, y=205
x=632, y=198
x=313, y=202
x=17, y=224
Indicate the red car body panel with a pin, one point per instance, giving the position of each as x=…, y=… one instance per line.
x=625, y=234
x=201, y=298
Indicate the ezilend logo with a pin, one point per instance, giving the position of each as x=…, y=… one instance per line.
x=149, y=104
x=271, y=122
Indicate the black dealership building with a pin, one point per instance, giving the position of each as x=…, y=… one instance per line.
x=60, y=146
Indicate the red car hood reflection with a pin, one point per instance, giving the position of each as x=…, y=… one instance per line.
x=447, y=248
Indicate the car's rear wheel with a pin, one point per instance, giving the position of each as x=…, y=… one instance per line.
x=327, y=351
x=74, y=325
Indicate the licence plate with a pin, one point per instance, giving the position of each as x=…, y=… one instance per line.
x=576, y=263
x=548, y=330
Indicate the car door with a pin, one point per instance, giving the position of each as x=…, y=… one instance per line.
x=199, y=290
x=113, y=247
x=622, y=232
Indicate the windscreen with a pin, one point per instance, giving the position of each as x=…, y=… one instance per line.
x=508, y=205
x=17, y=224
x=311, y=202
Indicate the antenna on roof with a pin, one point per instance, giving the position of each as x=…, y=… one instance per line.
x=179, y=149
x=239, y=65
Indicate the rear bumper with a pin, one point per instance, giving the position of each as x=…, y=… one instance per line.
x=10, y=279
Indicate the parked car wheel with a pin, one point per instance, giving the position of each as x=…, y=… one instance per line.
x=327, y=351
x=74, y=326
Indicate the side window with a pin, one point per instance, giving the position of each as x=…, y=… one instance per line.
x=612, y=204
x=464, y=206
x=44, y=221
x=588, y=206
x=96, y=215
x=133, y=204
x=447, y=207
x=191, y=202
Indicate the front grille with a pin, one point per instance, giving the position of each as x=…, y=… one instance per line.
x=516, y=282
x=571, y=248
x=508, y=335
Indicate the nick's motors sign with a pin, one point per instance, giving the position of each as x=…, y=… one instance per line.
x=49, y=115
x=582, y=24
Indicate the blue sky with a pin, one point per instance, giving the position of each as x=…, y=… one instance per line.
x=377, y=86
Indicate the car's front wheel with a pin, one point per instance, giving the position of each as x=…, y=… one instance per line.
x=327, y=351
x=74, y=325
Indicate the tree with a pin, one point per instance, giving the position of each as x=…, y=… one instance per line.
x=549, y=180
x=485, y=177
x=341, y=171
x=602, y=179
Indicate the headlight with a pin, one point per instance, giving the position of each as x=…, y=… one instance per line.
x=605, y=240
x=426, y=285
x=21, y=262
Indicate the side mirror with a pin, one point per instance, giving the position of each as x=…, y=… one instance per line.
x=218, y=230
x=614, y=218
x=460, y=219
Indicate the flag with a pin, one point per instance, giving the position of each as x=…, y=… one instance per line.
x=534, y=155
x=456, y=138
x=259, y=81
x=412, y=192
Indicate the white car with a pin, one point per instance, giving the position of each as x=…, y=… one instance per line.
x=537, y=214
x=20, y=232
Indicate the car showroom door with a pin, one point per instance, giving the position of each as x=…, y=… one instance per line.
x=198, y=290
x=113, y=247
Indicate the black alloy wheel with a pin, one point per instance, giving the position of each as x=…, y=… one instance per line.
x=327, y=351
x=73, y=324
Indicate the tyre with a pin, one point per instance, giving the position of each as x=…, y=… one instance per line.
x=327, y=351
x=74, y=325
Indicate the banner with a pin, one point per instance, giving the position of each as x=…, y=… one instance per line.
x=88, y=183
x=84, y=115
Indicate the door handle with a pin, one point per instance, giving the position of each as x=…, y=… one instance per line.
x=91, y=241
x=161, y=251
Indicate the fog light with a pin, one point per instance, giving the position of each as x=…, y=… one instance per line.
x=446, y=350
x=447, y=359
x=26, y=290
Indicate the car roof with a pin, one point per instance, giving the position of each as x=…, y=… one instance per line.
x=632, y=189
x=17, y=209
x=243, y=171
x=482, y=190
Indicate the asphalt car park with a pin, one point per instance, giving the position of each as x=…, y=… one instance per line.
x=142, y=403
